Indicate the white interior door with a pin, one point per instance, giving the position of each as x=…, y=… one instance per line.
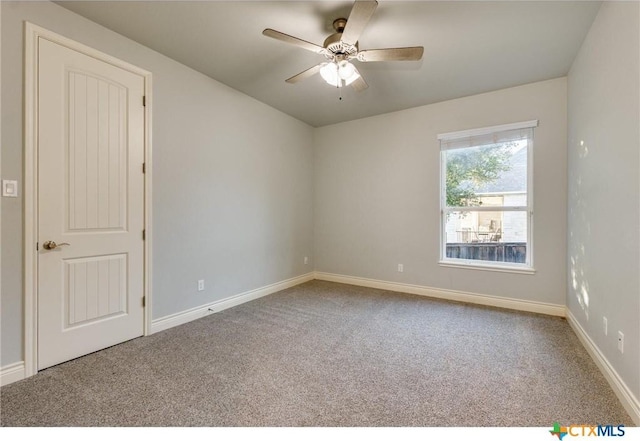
x=91, y=197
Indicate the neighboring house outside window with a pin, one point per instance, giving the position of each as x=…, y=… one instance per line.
x=486, y=196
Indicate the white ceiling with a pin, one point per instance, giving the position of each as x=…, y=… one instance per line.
x=470, y=47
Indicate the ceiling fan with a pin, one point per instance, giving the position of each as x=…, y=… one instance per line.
x=341, y=48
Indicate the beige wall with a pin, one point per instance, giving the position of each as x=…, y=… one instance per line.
x=604, y=186
x=232, y=178
x=377, y=193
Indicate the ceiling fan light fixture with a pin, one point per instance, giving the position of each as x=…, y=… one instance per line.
x=329, y=73
x=346, y=70
x=335, y=73
x=352, y=72
x=351, y=79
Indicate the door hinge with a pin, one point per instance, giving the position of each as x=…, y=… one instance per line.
x=144, y=234
x=144, y=101
x=144, y=301
x=144, y=167
x=37, y=246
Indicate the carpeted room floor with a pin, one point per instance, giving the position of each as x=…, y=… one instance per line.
x=327, y=354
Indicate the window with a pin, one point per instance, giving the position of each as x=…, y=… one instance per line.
x=486, y=196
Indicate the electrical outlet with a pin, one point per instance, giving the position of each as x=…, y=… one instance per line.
x=9, y=188
x=306, y=260
x=621, y=342
x=200, y=285
x=400, y=268
x=604, y=325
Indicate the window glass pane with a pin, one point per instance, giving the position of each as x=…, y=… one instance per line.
x=487, y=175
x=491, y=236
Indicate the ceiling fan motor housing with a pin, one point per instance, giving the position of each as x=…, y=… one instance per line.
x=336, y=46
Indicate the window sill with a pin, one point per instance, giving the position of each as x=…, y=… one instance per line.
x=488, y=267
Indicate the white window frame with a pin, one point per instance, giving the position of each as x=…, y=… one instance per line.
x=524, y=268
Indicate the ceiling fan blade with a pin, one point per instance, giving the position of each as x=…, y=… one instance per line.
x=394, y=54
x=360, y=84
x=358, y=19
x=293, y=40
x=305, y=74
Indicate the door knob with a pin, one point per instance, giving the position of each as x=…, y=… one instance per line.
x=51, y=245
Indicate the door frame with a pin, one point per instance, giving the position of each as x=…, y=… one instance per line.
x=30, y=286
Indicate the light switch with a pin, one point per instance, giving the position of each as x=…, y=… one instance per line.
x=9, y=188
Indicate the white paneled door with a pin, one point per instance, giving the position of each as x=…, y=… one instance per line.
x=90, y=204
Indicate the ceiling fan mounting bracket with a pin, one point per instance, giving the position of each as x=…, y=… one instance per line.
x=339, y=24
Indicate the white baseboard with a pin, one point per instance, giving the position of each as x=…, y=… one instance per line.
x=622, y=391
x=11, y=373
x=458, y=296
x=180, y=318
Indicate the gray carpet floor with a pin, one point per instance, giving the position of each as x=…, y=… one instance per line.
x=326, y=354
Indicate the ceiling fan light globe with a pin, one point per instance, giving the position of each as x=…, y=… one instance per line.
x=352, y=78
x=346, y=70
x=329, y=73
